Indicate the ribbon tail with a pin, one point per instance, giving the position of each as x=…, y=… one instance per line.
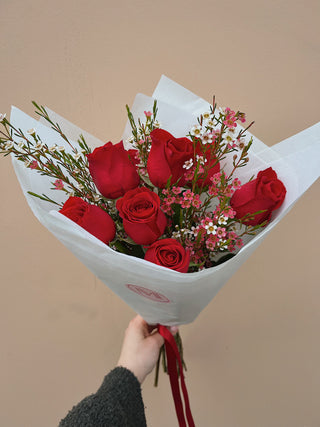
x=173, y=357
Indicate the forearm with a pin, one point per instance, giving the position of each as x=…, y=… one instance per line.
x=117, y=403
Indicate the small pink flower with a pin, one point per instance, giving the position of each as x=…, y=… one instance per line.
x=242, y=117
x=169, y=200
x=206, y=221
x=188, y=176
x=58, y=184
x=232, y=235
x=221, y=232
x=167, y=209
x=210, y=245
x=228, y=191
x=230, y=122
x=216, y=178
x=148, y=113
x=34, y=165
x=185, y=203
x=239, y=242
x=213, y=191
x=188, y=195
x=176, y=190
x=236, y=183
x=211, y=242
x=228, y=212
x=230, y=119
x=196, y=202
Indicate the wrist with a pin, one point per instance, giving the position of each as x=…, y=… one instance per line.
x=133, y=369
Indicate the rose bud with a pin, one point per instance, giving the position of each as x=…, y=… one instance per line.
x=167, y=157
x=90, y=217
x=143, y=220
x=112, y=171
x=169, y=253
x=266, y=193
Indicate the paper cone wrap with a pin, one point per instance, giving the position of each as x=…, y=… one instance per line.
x=158, y=294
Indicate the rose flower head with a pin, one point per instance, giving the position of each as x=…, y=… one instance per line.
x=112, y=171
x=90, y=217
x=266, y=193
x=167, y=157
x=143, y=220
x=169, y=253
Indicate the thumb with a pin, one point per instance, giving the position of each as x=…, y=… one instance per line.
x=157, y=338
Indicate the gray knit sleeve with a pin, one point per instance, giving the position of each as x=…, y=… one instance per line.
x=117, y=403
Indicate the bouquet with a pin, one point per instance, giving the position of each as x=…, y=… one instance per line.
x=167, y=200
x=187, y=190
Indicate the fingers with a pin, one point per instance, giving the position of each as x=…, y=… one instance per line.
x=157, y=338
x=147, y=329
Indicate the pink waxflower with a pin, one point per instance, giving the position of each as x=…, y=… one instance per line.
x=188, y=195
x=239, y=242
x=196, y=202
x=230, y=122
x=176, y=190
x=228, y=212
x=242, y=117
x=213, y=190
x=169, y=200
x=221, y=232
x=188, y=176
x=186, y=203
x=216, y=178
x=236, y=183
x=34, y=165
x=210, y=245
x=228, y=191
x=230, y=119
x=147, y=113
x=211, y=242
x=206, y=221
x=58, y=184
x=232, y=235
x=167, y=209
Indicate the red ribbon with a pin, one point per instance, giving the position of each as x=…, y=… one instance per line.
x=173, y=357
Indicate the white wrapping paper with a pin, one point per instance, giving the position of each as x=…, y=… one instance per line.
x=158, y=294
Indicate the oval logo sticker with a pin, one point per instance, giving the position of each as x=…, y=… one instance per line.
x=148, y=293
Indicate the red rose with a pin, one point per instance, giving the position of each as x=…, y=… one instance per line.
x=169, y=253
x=266, y=192
x=143, y=220
x=167, y=157
x=90, y=217
x=112, y=171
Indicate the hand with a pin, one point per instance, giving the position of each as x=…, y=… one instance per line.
x=140, y=348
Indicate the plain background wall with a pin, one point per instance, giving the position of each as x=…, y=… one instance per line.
x=253, y=354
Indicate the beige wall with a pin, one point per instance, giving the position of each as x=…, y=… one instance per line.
x=253, y=354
